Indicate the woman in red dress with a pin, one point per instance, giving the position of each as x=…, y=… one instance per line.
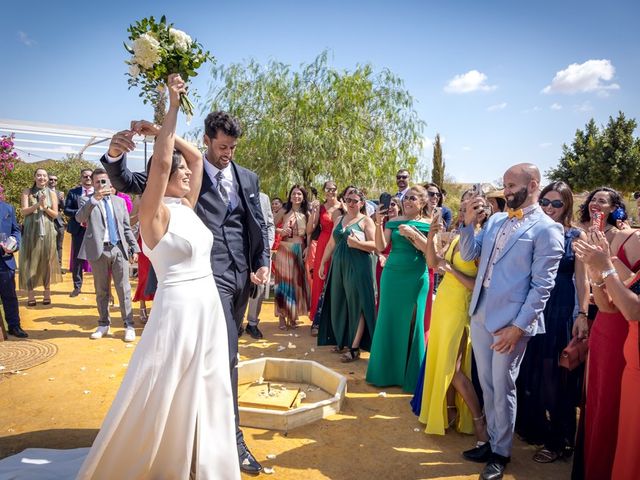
x=321, y=215
x=620, y=288
x=607, y=336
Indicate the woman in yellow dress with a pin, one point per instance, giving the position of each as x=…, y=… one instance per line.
x=448, y=397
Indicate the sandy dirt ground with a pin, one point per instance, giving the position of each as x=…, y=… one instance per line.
x=61, y=404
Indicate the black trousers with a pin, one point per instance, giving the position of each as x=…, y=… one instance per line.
x=233, y=287
x=76, y=265
x=8, y=296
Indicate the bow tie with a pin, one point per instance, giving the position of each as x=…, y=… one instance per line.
x=515, y=213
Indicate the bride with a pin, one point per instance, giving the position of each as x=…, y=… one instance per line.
x=173, y=415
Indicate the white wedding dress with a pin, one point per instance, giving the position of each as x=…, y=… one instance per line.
x=172, y=418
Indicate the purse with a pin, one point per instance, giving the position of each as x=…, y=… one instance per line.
x=574, y=354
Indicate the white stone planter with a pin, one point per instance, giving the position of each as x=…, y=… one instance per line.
x=320, y=402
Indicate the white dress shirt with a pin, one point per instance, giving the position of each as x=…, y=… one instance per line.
x=228, y=182
x=101, y=206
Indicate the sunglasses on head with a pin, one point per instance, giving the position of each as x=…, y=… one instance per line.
x=351, y=200
x=402, y=177
x=433, y=194
x=545, y=202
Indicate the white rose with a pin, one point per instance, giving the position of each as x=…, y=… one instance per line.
x=146, y=51
x=180, y=38
x=134, y=70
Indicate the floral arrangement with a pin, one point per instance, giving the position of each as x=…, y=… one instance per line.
x=158, y=50
x=7, y=158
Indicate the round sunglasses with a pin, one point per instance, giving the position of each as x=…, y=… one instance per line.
x=545, y=202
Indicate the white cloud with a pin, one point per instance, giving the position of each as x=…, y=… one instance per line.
x=26, y=39
x=589, y=76
x=466, y=148
x=497, y=106
x=556, y=106
x=534, y=109
x=471, y=81
x=545, y=145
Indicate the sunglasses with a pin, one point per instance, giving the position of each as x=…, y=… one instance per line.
x=434, y=194
x=402, y=177
x=413, y=198
x=393, y=204
x=86, y=176
x=351, y=200
x=545, y=202
x=331, y=190
x=53, y=179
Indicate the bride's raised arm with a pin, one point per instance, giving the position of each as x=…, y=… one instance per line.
x=154, y=215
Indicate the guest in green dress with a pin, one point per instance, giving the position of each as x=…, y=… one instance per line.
x=347, y=318
x=38, y=255
x=398, y=344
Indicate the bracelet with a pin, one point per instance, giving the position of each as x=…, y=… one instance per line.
x=608, y=273
x=580, y=312
x=597, y=285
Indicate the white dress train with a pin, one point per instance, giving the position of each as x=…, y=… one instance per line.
x=172, y=418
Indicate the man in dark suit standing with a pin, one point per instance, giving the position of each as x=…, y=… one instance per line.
x=77, y=230
x=229, y=205
x=9, y=245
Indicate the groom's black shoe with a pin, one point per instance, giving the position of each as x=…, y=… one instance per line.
x=494, y=470
x=478, y=454
x=254, y=331
x=248, y=463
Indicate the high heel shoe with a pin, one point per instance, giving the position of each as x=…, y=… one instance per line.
x=144, y=315
x=455, y=417
x=282, y=324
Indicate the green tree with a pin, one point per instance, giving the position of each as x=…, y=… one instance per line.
x=601, y=156
x=315, y=123
x=437, y=172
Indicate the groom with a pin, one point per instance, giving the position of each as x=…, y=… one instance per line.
x=229, y=205
x=519, y=254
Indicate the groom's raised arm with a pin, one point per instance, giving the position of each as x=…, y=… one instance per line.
x=115, y=163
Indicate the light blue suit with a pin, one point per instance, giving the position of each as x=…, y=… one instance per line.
x=523, y=276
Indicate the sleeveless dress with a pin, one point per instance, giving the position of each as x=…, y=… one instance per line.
x=349, y=294
x=398, y=344
x=606, y=363
x=173, y=413
x=449, y=322
x=38, y=260
x=547, y=393
x=326, y=228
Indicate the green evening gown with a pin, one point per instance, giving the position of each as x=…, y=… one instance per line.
x=349, y=293
x=398, y=344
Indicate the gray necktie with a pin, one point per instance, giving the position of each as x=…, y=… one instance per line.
x=221, y=190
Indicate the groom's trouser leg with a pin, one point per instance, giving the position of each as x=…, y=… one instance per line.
x=497, y=373
x=233, y=290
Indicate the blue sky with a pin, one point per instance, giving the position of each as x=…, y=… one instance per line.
x=501, y=81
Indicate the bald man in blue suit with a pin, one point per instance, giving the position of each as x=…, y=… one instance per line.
x=518, y=254
x=9, y=226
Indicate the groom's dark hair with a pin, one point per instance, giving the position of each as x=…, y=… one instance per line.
x=221, y=121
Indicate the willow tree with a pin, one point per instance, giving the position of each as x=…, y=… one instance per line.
x=315, y=122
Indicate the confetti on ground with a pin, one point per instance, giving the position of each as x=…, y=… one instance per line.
x=51, y=379
x=416, y=429
x=306, y=354
x=2, y=367
x=281, y=348
x=313, y=350
x=262, y=354
x=268, y=470
x=296, y=335
x=271, y=456
x=87, y=392
x=382, y=394
x=112, y=376
x=291, y=345
x=125, y=365
x=128, y=345
x=83, y=369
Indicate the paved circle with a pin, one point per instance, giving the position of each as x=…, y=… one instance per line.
x=23, y=354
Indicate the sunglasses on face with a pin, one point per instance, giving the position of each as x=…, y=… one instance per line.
x=53, y=179
x=86, y=176
x=393, y=204
x=402, y=177
x=331, y=190
x=413, y=198
x=545, y=202
x=351, y=201
x=433, y=194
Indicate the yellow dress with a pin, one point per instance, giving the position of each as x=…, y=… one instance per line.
x=449, y=322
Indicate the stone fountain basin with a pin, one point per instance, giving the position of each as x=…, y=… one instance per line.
x=325, y=391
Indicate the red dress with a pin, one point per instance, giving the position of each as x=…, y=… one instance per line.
x=143, y=274
x=626, y=465
x=326, y=228
x=604, y=380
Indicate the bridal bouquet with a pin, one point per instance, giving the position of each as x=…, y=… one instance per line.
x=158, y=50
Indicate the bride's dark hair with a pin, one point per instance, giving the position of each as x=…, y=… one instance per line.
x=176, y=158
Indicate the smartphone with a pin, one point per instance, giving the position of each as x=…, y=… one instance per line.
x=477, y=190
x=437, y=215
x=104, y=183
x=385, y=200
